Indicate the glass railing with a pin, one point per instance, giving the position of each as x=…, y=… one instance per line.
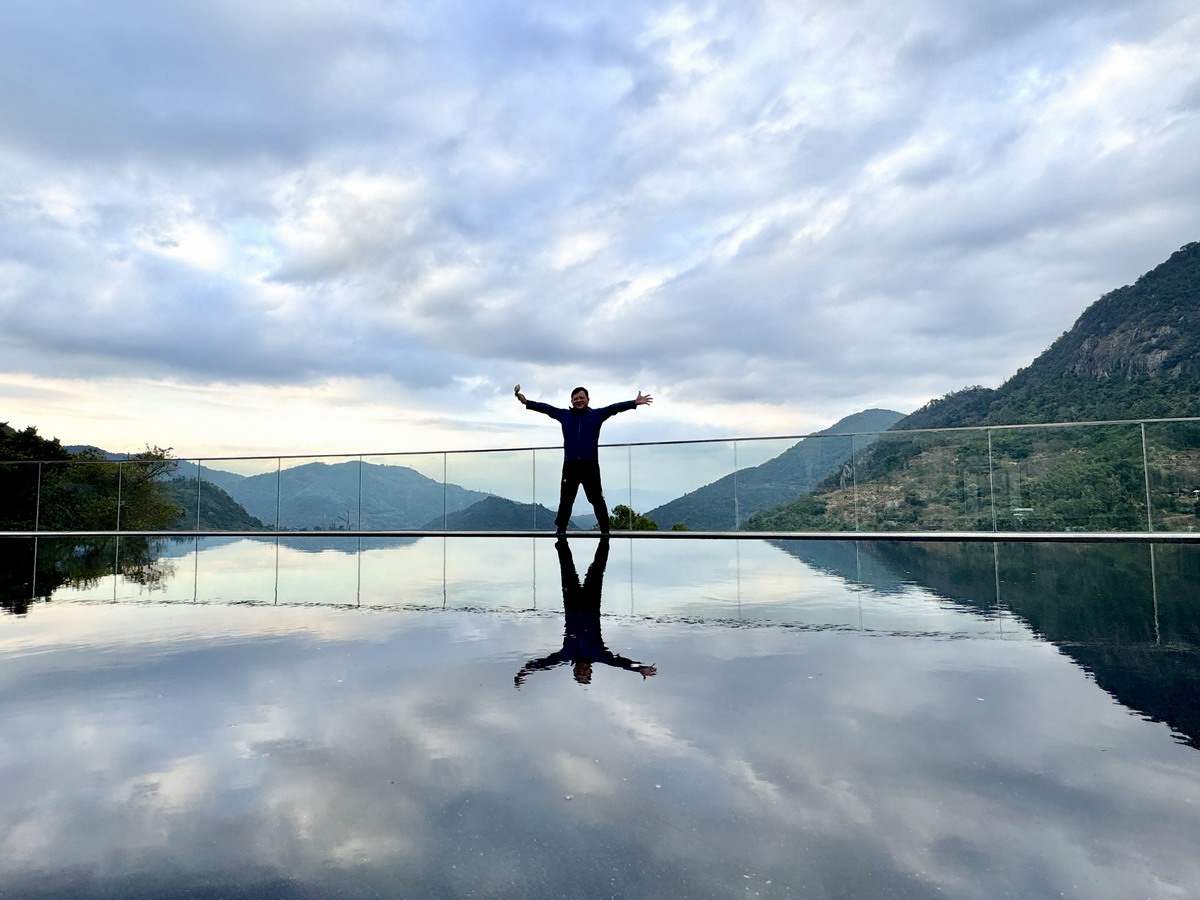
x=1135, y=476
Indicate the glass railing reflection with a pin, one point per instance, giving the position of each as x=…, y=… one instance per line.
x=1086, y=592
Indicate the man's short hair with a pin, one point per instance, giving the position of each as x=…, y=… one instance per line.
x=578, y=389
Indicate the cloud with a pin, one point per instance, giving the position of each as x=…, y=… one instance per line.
x=888, y=737
x=853, y=203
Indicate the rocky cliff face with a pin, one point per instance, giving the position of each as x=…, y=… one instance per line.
x=1131, y=351
x=1150, y=328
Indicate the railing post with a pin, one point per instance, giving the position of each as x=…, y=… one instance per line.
x=119, y=486
x=278, y=490
x=991, y=481
x=533, y=464
x=199, y=474
x=1146, y=475
x=629, y=472
x=737, y=515
x=37, y=505
x=854, y=481
x=359, y=525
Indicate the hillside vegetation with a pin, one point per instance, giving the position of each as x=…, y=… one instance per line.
x=1133, y=354
x=727, y=502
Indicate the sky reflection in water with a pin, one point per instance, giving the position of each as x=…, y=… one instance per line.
x=821, y=723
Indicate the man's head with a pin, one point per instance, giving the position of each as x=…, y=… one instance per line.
x=579, y=398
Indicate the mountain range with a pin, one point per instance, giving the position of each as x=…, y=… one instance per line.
x=727, y=502
x=323, y=495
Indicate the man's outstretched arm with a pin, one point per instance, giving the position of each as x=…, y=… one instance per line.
x=537, y=406
x=626, y=405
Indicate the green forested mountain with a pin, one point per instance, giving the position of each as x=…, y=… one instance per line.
x=1133, y=354
x=218, y=511
x=495, y=514
x=790, y=475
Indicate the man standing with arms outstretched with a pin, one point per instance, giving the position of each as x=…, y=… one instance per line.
x=581, y=454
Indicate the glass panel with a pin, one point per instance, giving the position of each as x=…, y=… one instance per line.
x=233, y=494
x=80, y=495
x=19, y=488
x=775, y=494
x=315, y=493
x=181, y=486
x=616, y=474
x=493, y=491
x=914, y=482
x=1086, y=478
x=147, y=499
x=686, y=485
x=547, y=466
x=402, y=492
x=1173, y=453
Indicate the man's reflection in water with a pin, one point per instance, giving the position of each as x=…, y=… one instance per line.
x=583, y=643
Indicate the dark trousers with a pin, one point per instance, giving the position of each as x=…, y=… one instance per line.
x=576, y=472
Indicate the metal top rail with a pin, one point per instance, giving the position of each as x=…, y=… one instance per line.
x=725, y=440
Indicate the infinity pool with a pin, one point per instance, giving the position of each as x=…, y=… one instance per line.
x=511, y=717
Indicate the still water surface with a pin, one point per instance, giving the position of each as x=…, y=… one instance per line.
x=498, y=717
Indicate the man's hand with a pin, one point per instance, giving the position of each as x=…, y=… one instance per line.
x=643, y=399
x=521, y=398
x=647, y=671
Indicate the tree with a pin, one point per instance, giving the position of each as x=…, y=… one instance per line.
x=626, y=519
x=43, y=484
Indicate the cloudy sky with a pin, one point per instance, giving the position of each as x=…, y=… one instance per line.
x=239, y=226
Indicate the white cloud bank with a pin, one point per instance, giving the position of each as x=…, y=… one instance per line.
x=344, y=226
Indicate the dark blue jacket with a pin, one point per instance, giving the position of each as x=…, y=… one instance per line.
x=580, y=427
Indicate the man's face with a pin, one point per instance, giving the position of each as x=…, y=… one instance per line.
x=579, y=399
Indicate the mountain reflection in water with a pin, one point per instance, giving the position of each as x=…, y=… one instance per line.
x=1129, y=614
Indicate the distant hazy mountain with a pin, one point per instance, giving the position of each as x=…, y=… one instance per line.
x=497, y=514
x=780, y=480
x=320, y=495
